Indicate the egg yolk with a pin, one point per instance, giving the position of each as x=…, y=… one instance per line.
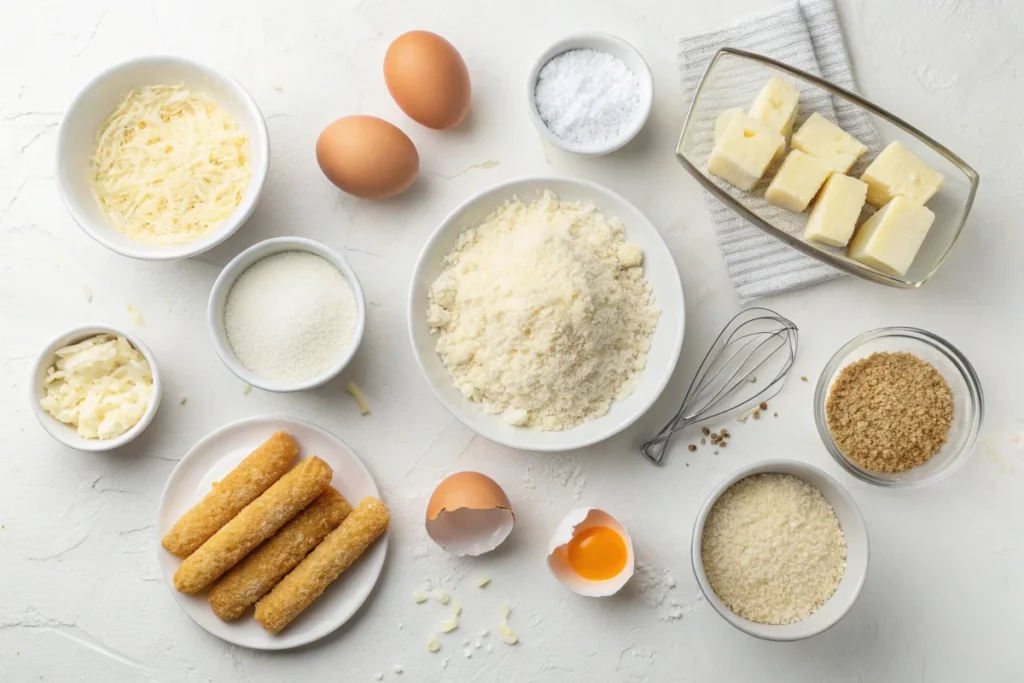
x=597, y=553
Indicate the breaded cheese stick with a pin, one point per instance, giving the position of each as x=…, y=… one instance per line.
x=310, y=579
x=256, y=523
x=253, y=577
x=241, y=486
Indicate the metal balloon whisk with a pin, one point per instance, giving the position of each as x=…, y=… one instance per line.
x=747, y=365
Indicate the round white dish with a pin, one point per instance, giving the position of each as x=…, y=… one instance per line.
x=237, y=266
x=66, y=434
x=216, y=455
x=659, y=269
x=97, y=100
x=857, y=553
x=602, y=42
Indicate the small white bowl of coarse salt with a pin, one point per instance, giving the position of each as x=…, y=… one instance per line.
x=287, y=314
x=780, y=550
x=590, y=93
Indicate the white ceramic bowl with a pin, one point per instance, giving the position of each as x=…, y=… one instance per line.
x=66, y=434
x=659, y=269
x=237, y=266
x=850, y=521
x=98, y=99
x=602, y=42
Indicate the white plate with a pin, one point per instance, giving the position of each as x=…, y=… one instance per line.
x=659, y=269
x=216, y=455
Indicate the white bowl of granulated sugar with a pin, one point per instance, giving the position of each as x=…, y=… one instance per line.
x=287, y=314
x=590, y=93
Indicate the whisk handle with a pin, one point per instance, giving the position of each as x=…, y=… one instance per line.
x=654, y=449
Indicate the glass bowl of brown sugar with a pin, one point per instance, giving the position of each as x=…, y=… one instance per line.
x=899, y=407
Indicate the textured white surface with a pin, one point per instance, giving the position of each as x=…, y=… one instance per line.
x=82, y=597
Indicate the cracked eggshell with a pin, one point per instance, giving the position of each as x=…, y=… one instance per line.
x=469, y=514
x=572, y=524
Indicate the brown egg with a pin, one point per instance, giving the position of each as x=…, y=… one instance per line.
x=469, y=514
x=428, y=79
x=367, y=157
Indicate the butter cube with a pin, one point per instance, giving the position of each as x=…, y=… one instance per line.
x=889, y=240
x=821, y=138
x=727, y=117
x=744, y=152
x=836, y=210
x=798, y=180
x=724, y=119
x=897, y=172
x=776, y=105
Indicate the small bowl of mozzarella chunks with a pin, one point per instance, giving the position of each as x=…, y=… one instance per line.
x=805, y=161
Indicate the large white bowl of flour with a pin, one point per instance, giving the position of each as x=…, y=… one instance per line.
x=659, y=270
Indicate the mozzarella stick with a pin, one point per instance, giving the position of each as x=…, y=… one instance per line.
x=310, y=579
x=256, y=523
x=241, y=486
x=253, y=577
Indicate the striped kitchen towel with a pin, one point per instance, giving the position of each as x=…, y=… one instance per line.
x=804, y=34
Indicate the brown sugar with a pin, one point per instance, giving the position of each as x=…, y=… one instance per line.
x=889, y=412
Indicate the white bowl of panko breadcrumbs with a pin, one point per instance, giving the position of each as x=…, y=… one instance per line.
x=780, y=550
x=899, y=407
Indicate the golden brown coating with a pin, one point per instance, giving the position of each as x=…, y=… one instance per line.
x=241, y=486
x=310, y=579
x=254, y=576
x=256, y=523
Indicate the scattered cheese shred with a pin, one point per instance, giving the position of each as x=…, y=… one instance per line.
x=456, y=608
x=419, y=598
x=449, y=626
x=433, y=645
x=507, y=635
x=87, y=293
x=246, y=390
x=353, y=390
x=442, y=596
x=505, y=609
x=170, y=165
x=483, y=581
x=101, y=385
x=136, y=316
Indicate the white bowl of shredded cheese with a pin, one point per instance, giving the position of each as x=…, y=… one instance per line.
x=102, y=404
x=161, y=158
x=511, y=407
x=766, y=550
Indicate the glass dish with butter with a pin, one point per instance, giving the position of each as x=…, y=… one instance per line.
x=761, y=137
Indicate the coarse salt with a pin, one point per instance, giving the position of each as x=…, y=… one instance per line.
x=290, y=316
x=587, y=97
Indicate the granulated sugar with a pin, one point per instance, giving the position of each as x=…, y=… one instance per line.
x=290, y=316
x=587, y=97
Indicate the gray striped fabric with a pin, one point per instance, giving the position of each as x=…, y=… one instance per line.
x=804, y=34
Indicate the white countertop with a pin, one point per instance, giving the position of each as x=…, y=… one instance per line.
x=81, y=595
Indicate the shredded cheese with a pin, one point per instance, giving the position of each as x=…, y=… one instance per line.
x=102, y=386
x=170, y=165
x=360, y=399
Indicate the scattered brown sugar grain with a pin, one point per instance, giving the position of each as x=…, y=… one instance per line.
x=889, y=412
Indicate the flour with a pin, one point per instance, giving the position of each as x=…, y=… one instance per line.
x=538, y=319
